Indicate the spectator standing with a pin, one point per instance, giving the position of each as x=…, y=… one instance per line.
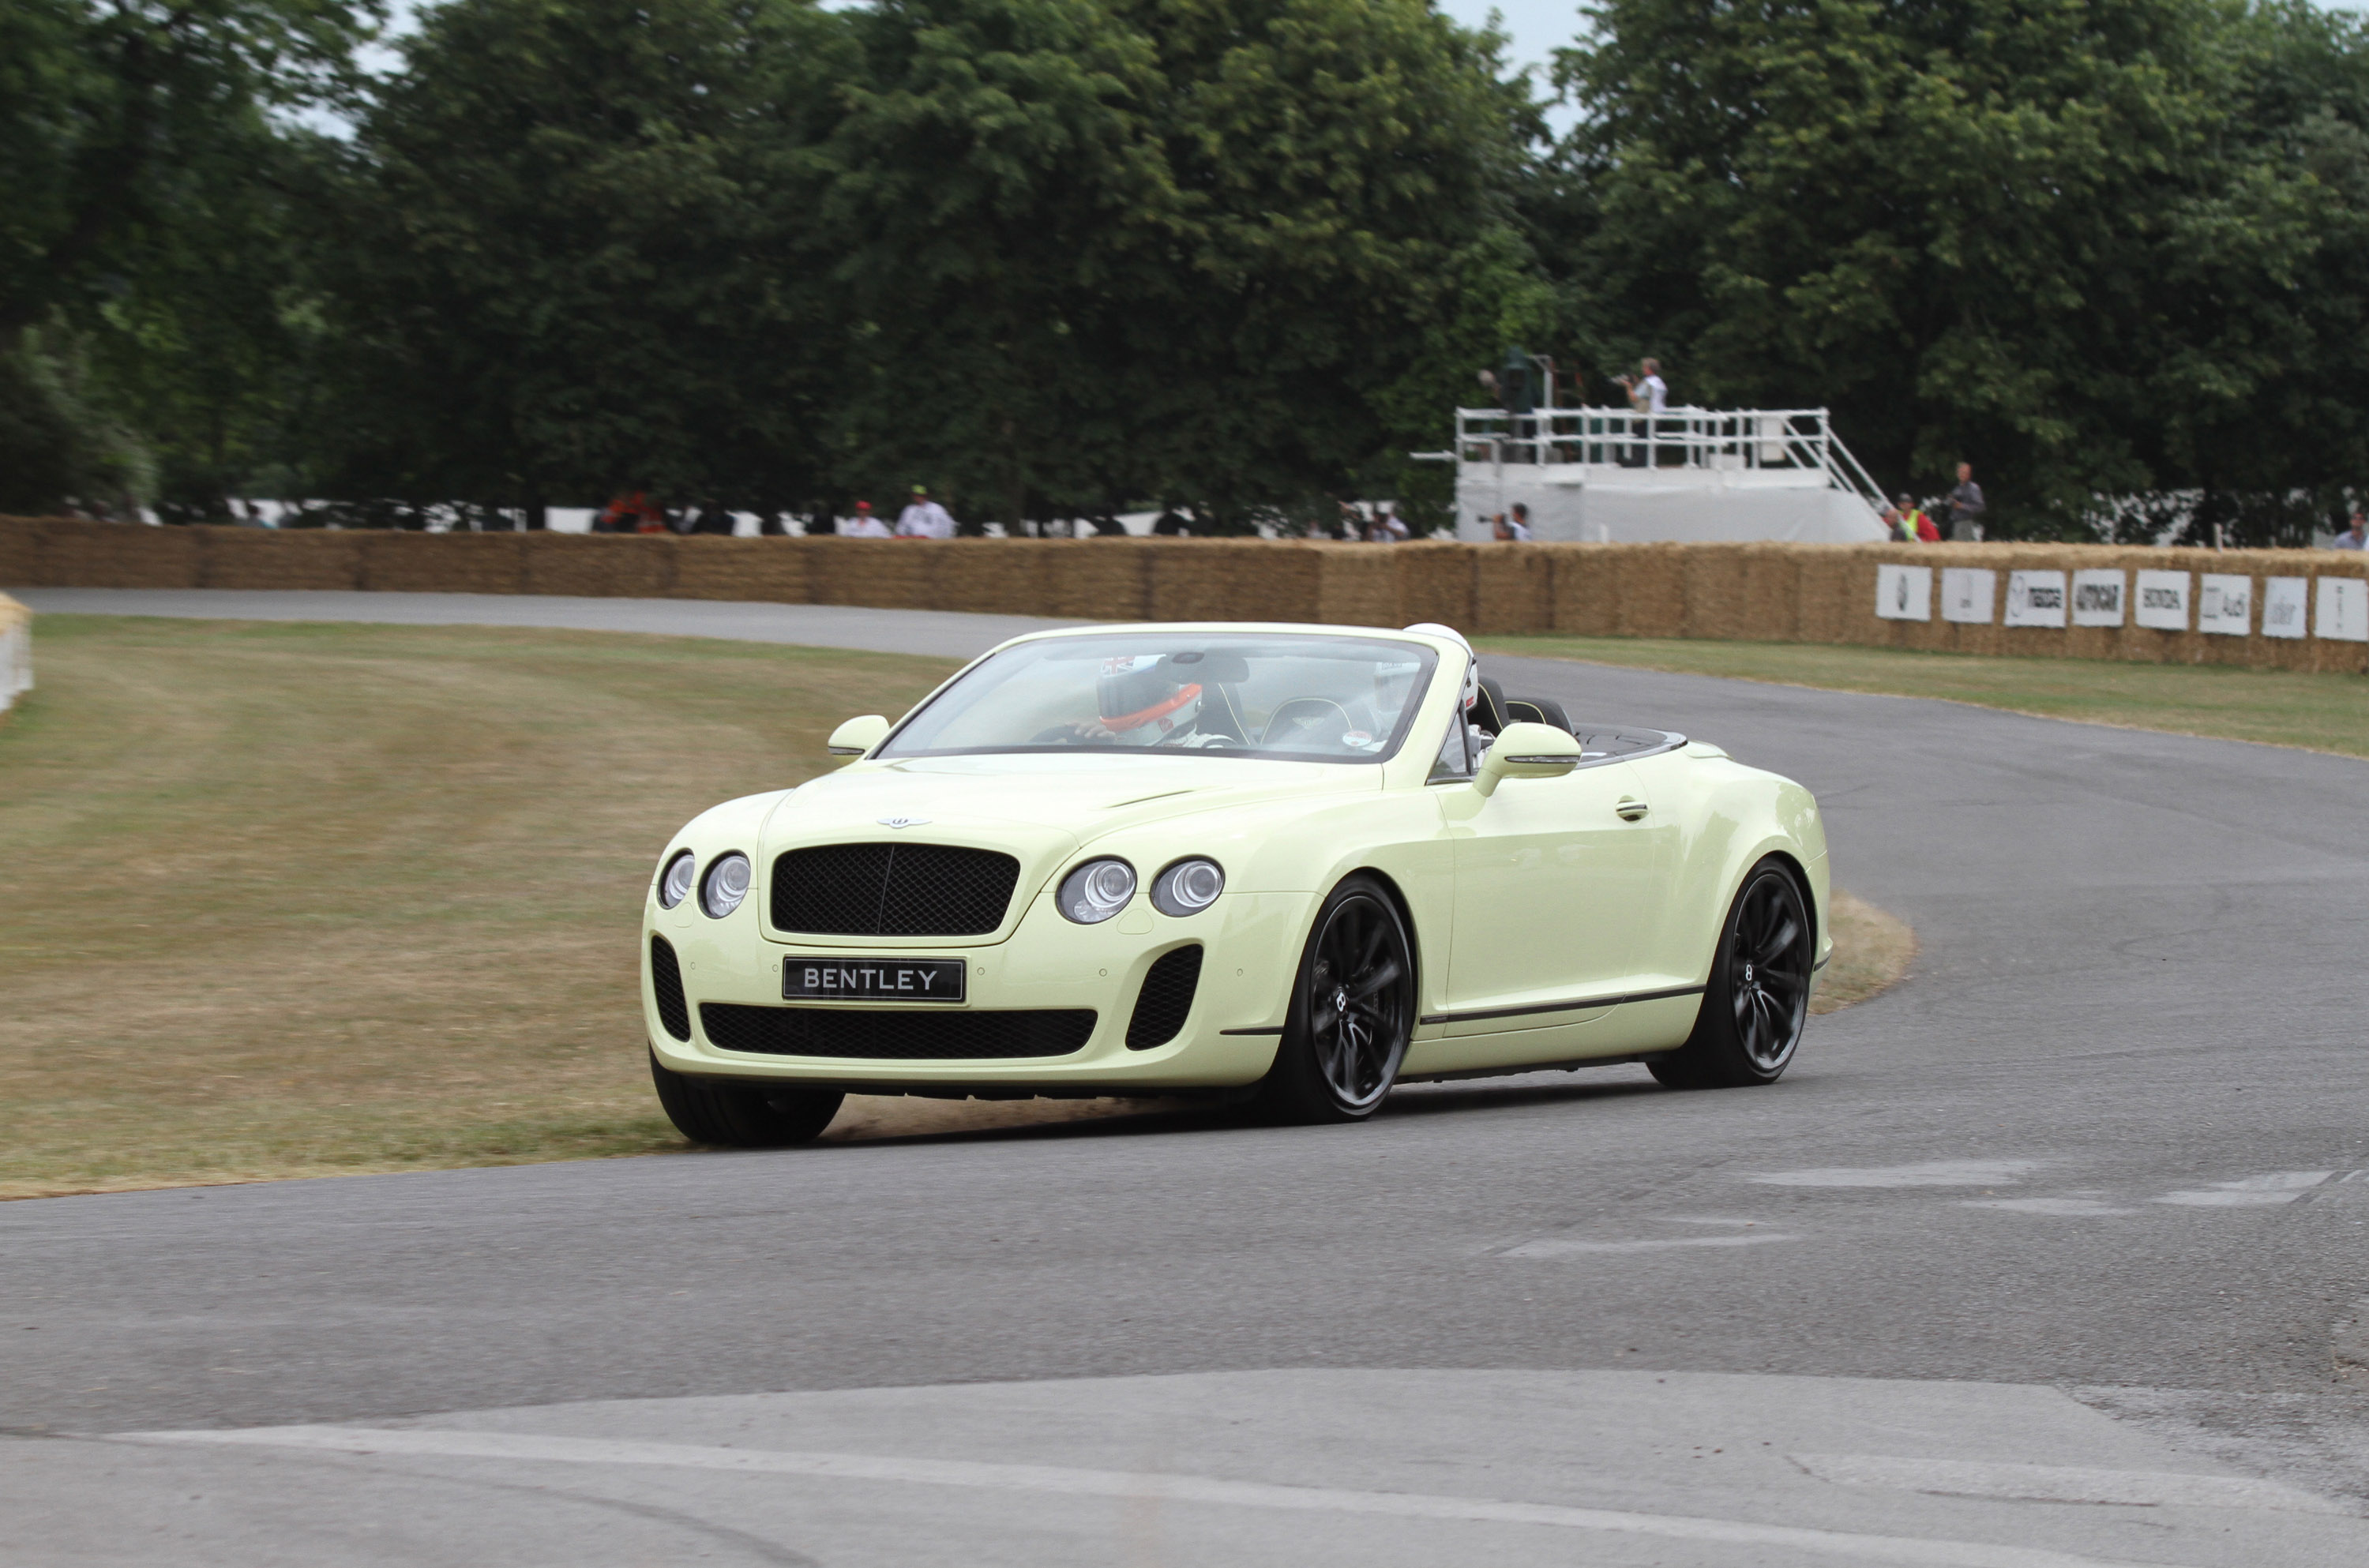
x=1966, y=507
x=2353, y=538
x=1890, y=518
x=1515, y=528
x=1394, y=527
x=1913, y=521
x=1648, y=393
x=924, y=519
x=863, y=525
x=712, y=518
x=631, y=511
x=1172, y=524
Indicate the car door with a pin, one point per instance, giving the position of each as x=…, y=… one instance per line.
x=1557, y=883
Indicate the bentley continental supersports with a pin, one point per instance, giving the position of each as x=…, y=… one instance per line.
x=1293, y=865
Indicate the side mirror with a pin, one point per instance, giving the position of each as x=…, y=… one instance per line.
x=1527, y=751
x=858, y=736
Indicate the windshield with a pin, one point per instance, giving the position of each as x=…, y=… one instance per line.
x=1303, y=698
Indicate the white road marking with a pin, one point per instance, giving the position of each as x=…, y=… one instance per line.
x=1555, y=1247
x=2060, y=1483
x=438, y=1443
x=1932, y=1174
x=2084, y=1207
x=2254, y=1192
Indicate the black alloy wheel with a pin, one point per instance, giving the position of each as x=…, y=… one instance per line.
x=1759, y=999
x=1352, y=1011
x=738, y=1113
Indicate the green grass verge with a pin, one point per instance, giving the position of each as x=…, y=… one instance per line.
x=2320, y=713
x=287, y=900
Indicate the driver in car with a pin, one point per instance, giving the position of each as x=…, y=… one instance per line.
x=1143, y=701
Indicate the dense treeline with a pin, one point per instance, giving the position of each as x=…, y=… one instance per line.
x=1057, y=258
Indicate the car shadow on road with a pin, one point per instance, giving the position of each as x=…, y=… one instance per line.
x=1503, y=1093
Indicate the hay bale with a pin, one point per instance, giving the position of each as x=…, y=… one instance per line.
x=1710, y=578
x=1649, y=590
x=766, y=570
x=1582, y=602
x=885, y=574
x=400, y=562
x=276, y=559
x=987, y=576
x=1097, y=579
x=598, y=566
x=78, y=552
x=1435, y=583
x=1513, y=588
x=1358, y=585
x=1234, y=580
x=20, y=550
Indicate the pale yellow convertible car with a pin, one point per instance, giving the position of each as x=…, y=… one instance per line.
x=1291, y=864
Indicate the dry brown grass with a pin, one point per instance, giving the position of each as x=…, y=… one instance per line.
x=1873, y=951
x=289, y=900
x=292, y=900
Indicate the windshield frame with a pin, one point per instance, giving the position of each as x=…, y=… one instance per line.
x=886, y=750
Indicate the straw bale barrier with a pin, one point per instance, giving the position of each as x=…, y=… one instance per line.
x=2293, y=609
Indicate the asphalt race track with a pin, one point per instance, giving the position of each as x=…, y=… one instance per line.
x=2047, y=1257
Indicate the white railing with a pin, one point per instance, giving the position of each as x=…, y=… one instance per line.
x=1799, y=440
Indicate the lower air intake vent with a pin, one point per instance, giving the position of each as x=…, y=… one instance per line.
x=666, y=988
x=1166, y=998
x=894, y=1035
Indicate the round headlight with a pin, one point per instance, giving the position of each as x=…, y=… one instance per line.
x=675, y=885
x=1188, y=887
x=1097, y=890
x=726, y=885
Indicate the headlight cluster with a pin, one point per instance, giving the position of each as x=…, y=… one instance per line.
x=720, y=892
x=1101, y=888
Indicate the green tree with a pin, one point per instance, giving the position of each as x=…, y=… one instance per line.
x=1199, y=250
x=573, y=253
x=1994, y=229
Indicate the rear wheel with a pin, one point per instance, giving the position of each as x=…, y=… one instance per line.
x=740, y=1114
x=1759, y=998
x=1352, y=1011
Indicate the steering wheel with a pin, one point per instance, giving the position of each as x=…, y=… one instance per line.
x=1307, y=709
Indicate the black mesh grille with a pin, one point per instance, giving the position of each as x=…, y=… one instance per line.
x=894, y=1035
x=892, y=890
x=1166, y=998
x=665, y=984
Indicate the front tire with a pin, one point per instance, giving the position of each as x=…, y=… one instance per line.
x=741, y=1114
x=1759, y=999
x=1352, y=1011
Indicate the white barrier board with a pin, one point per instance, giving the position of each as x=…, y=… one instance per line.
x=2224, y=604
x=2284, y=601
x=2036, y=599
x=2163, y=601
x=2099, y=598
x=2343, y=614
x=1903, y=593
x=1966, y=594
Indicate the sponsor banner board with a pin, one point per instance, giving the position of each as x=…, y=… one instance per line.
x=2036, y=599
x=1966, y=594
x=2224, y=603
x=2162, y=601
x=2343, y=614
x=1903, y=593
x=2099, y=597
x=2284, y=602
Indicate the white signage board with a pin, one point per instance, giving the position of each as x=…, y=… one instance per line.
x=2162, y=601
x=2285, y=601
x=2036, y=599
x=2343, y=614
x=1903, y=593
x=2099, y=598
x=1966, y=594
x=2224, y=603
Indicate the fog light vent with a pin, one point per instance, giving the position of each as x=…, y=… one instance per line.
x=1166, y=998
x=666, y=988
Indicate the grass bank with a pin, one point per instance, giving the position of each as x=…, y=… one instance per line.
x=289, y=900
x=2321, y=713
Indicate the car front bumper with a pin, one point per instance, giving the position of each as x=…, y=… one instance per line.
x=1251, y=944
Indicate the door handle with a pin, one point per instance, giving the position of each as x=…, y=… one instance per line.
x=1631, y=809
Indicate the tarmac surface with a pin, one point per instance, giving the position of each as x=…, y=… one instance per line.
x=2050, y=1255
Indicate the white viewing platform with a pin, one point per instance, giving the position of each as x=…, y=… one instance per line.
x=1688, y=474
